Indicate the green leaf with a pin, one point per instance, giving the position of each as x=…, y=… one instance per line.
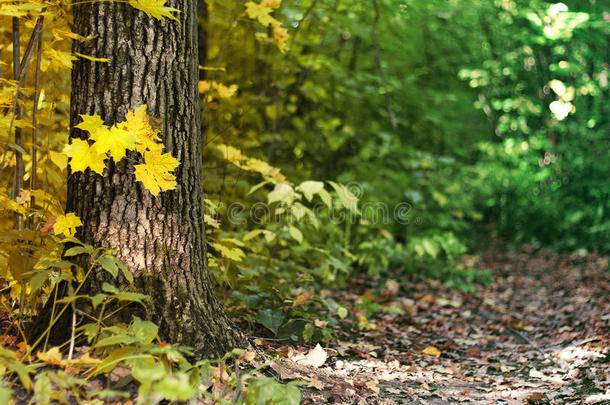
x=175, y=387
x=109, y=288
x=131, y=297
x=114, y=358
x=271, y=319
x=326, y=199
x=308, y=332
x=5, y=395
x=109, y=265
x=144, y=331
x=90, y=330
x=116, y=340
x=349, y=200
x=296, y=233
x=256, y=187
x=264, y=391
x=8, y=359
x=78, y=250
x=282, y=192
x=309, y=188
x=112, y=265
x=252, y=234
x=147, y=370
x=97, y=299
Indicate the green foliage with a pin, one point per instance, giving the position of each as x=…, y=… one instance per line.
x=318, y=112
x=545, y=178
x=501, y=132
x=267, y=391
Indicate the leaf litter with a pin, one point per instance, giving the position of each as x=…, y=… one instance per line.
x=539, y=334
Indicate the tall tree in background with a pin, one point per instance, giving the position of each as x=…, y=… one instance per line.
x=160, y=239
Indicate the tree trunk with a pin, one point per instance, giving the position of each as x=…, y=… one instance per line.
x=162, y=239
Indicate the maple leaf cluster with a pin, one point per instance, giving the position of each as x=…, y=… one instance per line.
x=154, y=8
x=113, y=142
x=262, y=13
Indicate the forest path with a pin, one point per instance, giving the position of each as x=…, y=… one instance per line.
x=539, y=334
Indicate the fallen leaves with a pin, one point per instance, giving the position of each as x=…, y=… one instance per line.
x=431, y=351
x=315, y=358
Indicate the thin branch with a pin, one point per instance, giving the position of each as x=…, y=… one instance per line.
x=34, y=120
x=384, y=81
x=18, y=174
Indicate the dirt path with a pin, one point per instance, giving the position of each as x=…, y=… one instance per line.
x=540, y=334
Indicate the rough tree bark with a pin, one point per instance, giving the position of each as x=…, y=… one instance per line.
x=162, y=239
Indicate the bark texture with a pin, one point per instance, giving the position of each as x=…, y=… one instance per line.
x=162, y=239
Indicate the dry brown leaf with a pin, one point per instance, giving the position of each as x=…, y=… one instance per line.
x=302, y=298
x=319, y=323
x=315, y=358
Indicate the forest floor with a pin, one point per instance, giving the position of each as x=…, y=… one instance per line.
x=540, y=334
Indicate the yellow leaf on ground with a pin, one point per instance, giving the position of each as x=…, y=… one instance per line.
x=52, y=356
x=431, y=351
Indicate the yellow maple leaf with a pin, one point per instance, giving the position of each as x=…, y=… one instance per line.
x=59, y=159
x=84, y=156
x=280, y=34
x=204, y=86
x=114, y=140
x=58, y=60
x=91, y=123
x=154, y=8
x=259, y=12
x=271, y=3
x=155, y=174
x=432, y=351
x=137, y=123
x=51, y=356
x=225, y=91
x=66, y=224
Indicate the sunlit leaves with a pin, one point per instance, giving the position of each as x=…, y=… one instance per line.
x=349, y=200
x=137, y=123
x=135, y=133
x=113, y=140
x=90, y=123
x=259, y=12
x=235, y=156
x=155, y=172
x=154, y=8
x=561, y=107
x=222, y=90
x=66, y=224
x=262, y=13
x=83, y=156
